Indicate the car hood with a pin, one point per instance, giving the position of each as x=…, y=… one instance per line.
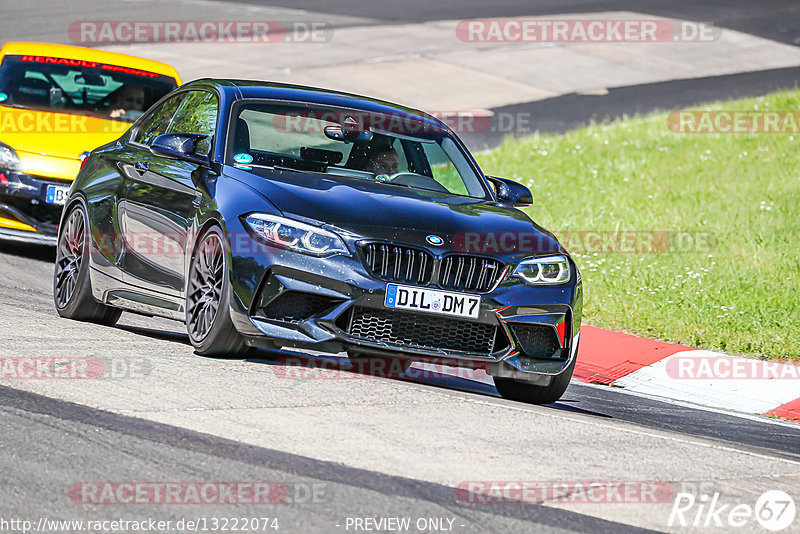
x=371, y=209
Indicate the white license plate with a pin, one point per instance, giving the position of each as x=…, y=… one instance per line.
x=432, y=301
x=57, y=194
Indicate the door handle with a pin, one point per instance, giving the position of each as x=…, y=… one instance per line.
x=140, y=167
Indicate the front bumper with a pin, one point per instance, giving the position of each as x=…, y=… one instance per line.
x=25, y=213
x=523, y=332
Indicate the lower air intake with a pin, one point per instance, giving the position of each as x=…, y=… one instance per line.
x=412, y=330
x=536, y=340
x=296, y=306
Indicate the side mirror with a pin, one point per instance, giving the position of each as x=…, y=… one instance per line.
x=180, y=146
x=511, y=192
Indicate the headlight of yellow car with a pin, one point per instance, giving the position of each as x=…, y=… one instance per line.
x=9, y=159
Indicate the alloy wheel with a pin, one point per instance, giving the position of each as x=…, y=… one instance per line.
x=69, y=258
x=205, y=286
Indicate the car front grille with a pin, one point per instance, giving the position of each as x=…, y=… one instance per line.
x=469, y=273
x=412, y=330
x=536, y=340
x=398, y=263
x=296, y=306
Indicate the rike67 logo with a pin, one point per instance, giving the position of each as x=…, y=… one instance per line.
x=774, y=511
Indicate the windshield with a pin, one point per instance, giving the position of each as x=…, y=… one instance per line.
x=80, y=87
x=394, y=150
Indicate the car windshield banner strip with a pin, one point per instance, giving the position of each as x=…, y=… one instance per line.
x=88, y=64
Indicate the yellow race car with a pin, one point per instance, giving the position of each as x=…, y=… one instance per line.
x=57, y=103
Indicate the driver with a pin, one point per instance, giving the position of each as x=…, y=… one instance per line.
x=384, y=162
x=128, y=103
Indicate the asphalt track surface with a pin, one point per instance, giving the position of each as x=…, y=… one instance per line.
x=49, y=443
x=602, y=402
x=776, y=20
x=772, y=19
x=320, y=495
x=54, y=435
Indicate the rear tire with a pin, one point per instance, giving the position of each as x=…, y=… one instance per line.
x=524, y=392
x=72, y=286
x=208, y=296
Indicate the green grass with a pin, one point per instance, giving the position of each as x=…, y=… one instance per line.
x=739, y=293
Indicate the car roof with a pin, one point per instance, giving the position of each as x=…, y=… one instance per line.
x=89, y=54
x=242, y=89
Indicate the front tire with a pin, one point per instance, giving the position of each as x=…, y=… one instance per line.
x=208, y=294
x=523, y=392
x=72, y=287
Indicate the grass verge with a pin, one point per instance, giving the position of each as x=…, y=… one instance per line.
x=723, y=211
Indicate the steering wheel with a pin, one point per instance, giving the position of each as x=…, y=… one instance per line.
x=420, y=181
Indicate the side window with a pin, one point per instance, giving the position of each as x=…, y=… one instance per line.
x=156, y=124
x=197, y=115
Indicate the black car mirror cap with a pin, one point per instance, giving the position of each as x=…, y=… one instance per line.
x=180, y=146
x=511, y=192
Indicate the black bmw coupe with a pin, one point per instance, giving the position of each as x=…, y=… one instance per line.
x=268, y=215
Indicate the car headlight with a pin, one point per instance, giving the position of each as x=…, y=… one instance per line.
x=295, y=235
x=543, y=271
x=9, y=159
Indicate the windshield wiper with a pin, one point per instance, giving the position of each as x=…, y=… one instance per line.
x=398, y=184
